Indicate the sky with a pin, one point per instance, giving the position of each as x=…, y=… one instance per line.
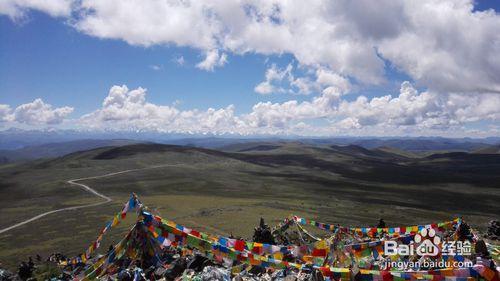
x=252, y=67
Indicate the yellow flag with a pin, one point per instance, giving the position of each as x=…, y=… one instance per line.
x=321, y=244
x=115, y=221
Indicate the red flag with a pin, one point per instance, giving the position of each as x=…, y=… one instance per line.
x=239, y=245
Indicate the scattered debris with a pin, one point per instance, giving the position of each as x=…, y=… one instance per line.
x=6, y=275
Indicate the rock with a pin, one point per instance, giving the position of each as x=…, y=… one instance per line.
x=263, y=233
x=159, y=272
x=212, y=273
x=316, y=275
x=493, y=231
x=257, y=270
x=481, y=249
x=198, y=262
x=464, y=232
x=25, y=271
x=125, y=275
x=176, y=269
x=6, y=275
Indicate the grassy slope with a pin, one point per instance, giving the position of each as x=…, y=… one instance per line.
x=226, y=192
x=57, y=149
x=493, y=149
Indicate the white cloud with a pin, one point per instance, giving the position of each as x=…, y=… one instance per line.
x=39, y=113
x=124, y=105
x=264, y=88
x=409, y=113
x=16, y=9
x=303, y=85
x=447, y=47
x=212, y=60
x=125, y=109
x=278, y=80
x=151, y=22
x=4, y=112
x=274, y=76
x=426, y=110
x=156, y=67
x=179, y=60
x=332, y=81
x=443, y=45
x=278, y=116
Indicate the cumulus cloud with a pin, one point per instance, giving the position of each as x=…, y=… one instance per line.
x=409, y=112
x=278, y=116
x=264, y=88
x=274, y=76
x=283, y=80
x=156, y=67
x=179, y=60
x=332, y=81
x=443, y=45
x=16, y=9
x=124, y=105
x=446, y=47
x=303, y=85
x=35, y=113
x=125, y=109
x=146, y=23
x=426, y=110
x=212, y=60
x=4, y=112
x=351, y=38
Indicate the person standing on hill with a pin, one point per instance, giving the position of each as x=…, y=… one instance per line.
x=381, y=224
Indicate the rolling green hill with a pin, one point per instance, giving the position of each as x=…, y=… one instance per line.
x=227, y=191
x=51, y=150
x=493, y=149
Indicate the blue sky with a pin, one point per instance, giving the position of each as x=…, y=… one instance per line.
x=47, y=58
x=68, y=61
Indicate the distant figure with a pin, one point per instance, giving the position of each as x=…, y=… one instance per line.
x=263, y=234
x=464, y=232
x=381, y=224
x=38, y=258
x=481, y=249
x=24, y=271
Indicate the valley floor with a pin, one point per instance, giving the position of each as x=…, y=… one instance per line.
x=223, y=193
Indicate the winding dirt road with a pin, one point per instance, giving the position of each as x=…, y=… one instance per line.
x=87, y=188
